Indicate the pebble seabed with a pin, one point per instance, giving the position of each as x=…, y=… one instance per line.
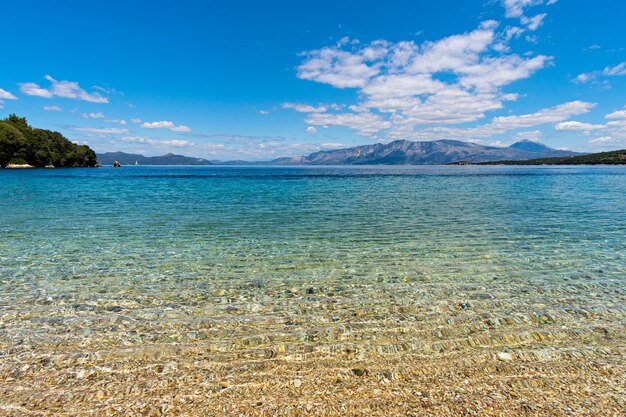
x=404, y=346
x=398, y=291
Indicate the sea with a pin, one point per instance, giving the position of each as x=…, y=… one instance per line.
x=349, y=263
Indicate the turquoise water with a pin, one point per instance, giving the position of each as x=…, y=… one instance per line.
x=289, y=256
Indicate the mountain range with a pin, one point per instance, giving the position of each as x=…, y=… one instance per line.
x=130, y=159
x=399, y=152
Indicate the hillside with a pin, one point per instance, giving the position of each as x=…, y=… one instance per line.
x=20, y=144
x=601, y=158
x=168, y=159
x=403, y=152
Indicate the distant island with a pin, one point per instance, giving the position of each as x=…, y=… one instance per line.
x=405, y=152
x=399, y=152
x=600, y=158
x=22, y=146
x=108, y=158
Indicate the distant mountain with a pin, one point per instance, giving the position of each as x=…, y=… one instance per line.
x=403, y=152
x=601, y=158
x=168, y=159
x=399, y=152
x=530, y=146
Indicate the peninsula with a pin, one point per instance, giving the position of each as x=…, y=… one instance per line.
x=22, y=146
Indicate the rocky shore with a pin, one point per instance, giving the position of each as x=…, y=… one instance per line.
x=18, y=166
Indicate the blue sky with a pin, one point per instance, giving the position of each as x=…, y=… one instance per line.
x=257, y=80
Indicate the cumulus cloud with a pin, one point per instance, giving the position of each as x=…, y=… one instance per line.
x=403, y=85
x=619, y=114
x=4, y=94
x=577, y=126
x=619, y=69
x=165, y=124
x=311, y=129
x=52, y=108
x=504, y=124
x=135, y=120
x=548, y=115
x=340, y=68
x=307, y=108
x=515, y=9
x=65, y=89
x=365, y=123
x=609, y=71
x=118, y=121
x=155, y=142
x=532, y=135
x=100, y=130
x=98, y=115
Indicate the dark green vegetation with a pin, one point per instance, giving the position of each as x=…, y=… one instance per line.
x=601, y=158
x=22, y=144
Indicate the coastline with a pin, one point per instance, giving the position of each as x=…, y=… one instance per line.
x=19, y=166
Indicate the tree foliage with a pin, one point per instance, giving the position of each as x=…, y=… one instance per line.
x=601, y=158
x=20, y=144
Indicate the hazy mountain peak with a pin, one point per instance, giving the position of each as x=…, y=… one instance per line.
x=530, y=146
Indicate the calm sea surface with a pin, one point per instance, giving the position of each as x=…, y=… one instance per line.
x=295, y=261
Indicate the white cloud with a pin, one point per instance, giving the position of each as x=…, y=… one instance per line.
x=180, y=129
x=547, y=115
x=100, y=130
x=619, y=114
x=155, y=142
x=307, y=108
x=339, y=68
x=135, y=120
x=311, y=129
x=32, y=89
x=501, y=125
x=609, y=71
x=264, y=112
x=532, y=135
x=404, y=85
x=534, y=22
x=4, y=94
x=493, y=73
x=98, y=115
x=65, y=89
x=273, y=148
x=118, y=121
x=619, y=69
x=165, y=124
x=577, y=126
x=365, y=123
x=585, y=77
x=603, y=140
x=52, y=108
x=515, y=9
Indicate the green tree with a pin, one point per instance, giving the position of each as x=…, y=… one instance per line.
x=40, y=147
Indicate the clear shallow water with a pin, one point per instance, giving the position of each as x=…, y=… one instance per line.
x=106, y=272
x=257, y=291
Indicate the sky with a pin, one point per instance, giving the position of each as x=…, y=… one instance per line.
x=258, y=80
